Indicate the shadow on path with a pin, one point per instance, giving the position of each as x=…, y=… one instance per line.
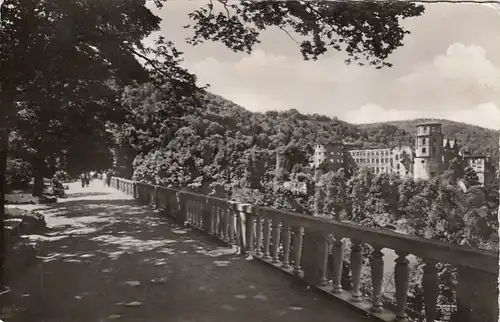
x=104, y=253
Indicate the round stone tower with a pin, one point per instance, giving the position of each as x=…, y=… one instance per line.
x=428, y=151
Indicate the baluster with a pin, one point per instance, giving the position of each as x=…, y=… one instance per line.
x=198, y=212
x=356, y=267
x=297, y=249
x=402, y=276
x=182, y=217
x=258, y=235
x=267, y=238
x=223, y=230
x=276, y=240
x=207, y=217
x=156, y=198
x=250, y=229
x=220, y=222
x=195, y=212
x=225, y=223
x=377, y=269
x=430, y=285
x=213, y=214
x=324, y=261
x=286, y=245
x=338, y=261
x=231, y=224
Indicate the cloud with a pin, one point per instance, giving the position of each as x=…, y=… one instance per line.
x=453, y=73
x=486, y=115
x=460, y=84
x=459, y=64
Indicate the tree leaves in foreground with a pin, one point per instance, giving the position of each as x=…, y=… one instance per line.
x=366, y=31
x=57, y=60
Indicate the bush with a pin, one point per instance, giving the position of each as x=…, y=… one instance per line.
x=18, y=174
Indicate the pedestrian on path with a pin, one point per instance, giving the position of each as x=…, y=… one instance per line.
x=84, y=179
x=108, y=178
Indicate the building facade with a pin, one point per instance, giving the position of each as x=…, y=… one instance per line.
x=377, y=160
x=428, y=151
x=330, y=156
x=430, y=157
x=483, y=166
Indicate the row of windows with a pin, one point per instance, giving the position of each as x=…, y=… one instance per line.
x=372, y=160
x=370, y=153
x=330, y=153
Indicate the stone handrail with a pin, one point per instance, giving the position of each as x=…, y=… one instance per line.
x=308, y=243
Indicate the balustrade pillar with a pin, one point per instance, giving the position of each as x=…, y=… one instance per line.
x=275, y=240
x=267, y=238
x=314, y=257
x=323, y=281
x=232, y=223
x=297, y=249
x=258, y=234
x=156, y=198
x=220, y=222
x=207, y=217
x=402, y=278
x=430, y=285
x=356, y=267
x=225, y=223
x=182, y=214
x=338, y=261
x=286, y=245
x=249, y=228
x=477, y=296
x=377, y=270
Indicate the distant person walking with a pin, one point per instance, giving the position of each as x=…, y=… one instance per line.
x=108, y=178
x=84, y=180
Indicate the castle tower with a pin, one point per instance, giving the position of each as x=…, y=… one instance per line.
x=428, y=151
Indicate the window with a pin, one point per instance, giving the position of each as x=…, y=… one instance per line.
x=397, y=166
x=423, y=141
x=424, y=150
x=423, y=161
x=397, y=157
x=406, y=171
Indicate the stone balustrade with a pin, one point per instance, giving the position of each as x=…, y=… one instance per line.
x=302, y=245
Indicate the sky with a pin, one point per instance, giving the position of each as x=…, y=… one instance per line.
x=449, y=67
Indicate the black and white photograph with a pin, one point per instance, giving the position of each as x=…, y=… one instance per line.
x=244, y=161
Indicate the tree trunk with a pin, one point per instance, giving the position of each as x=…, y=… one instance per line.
x=6, y=109
x=498, y=171
x=4, y=146
x=38, y=177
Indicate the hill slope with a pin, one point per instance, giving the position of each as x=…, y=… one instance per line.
x=308, y=129
x=216, y=143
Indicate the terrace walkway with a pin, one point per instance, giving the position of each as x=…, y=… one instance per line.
x=104, y=251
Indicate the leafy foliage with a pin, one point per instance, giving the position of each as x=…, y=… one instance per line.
x=470, y=177
x=364, y=30
x=18, y=174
